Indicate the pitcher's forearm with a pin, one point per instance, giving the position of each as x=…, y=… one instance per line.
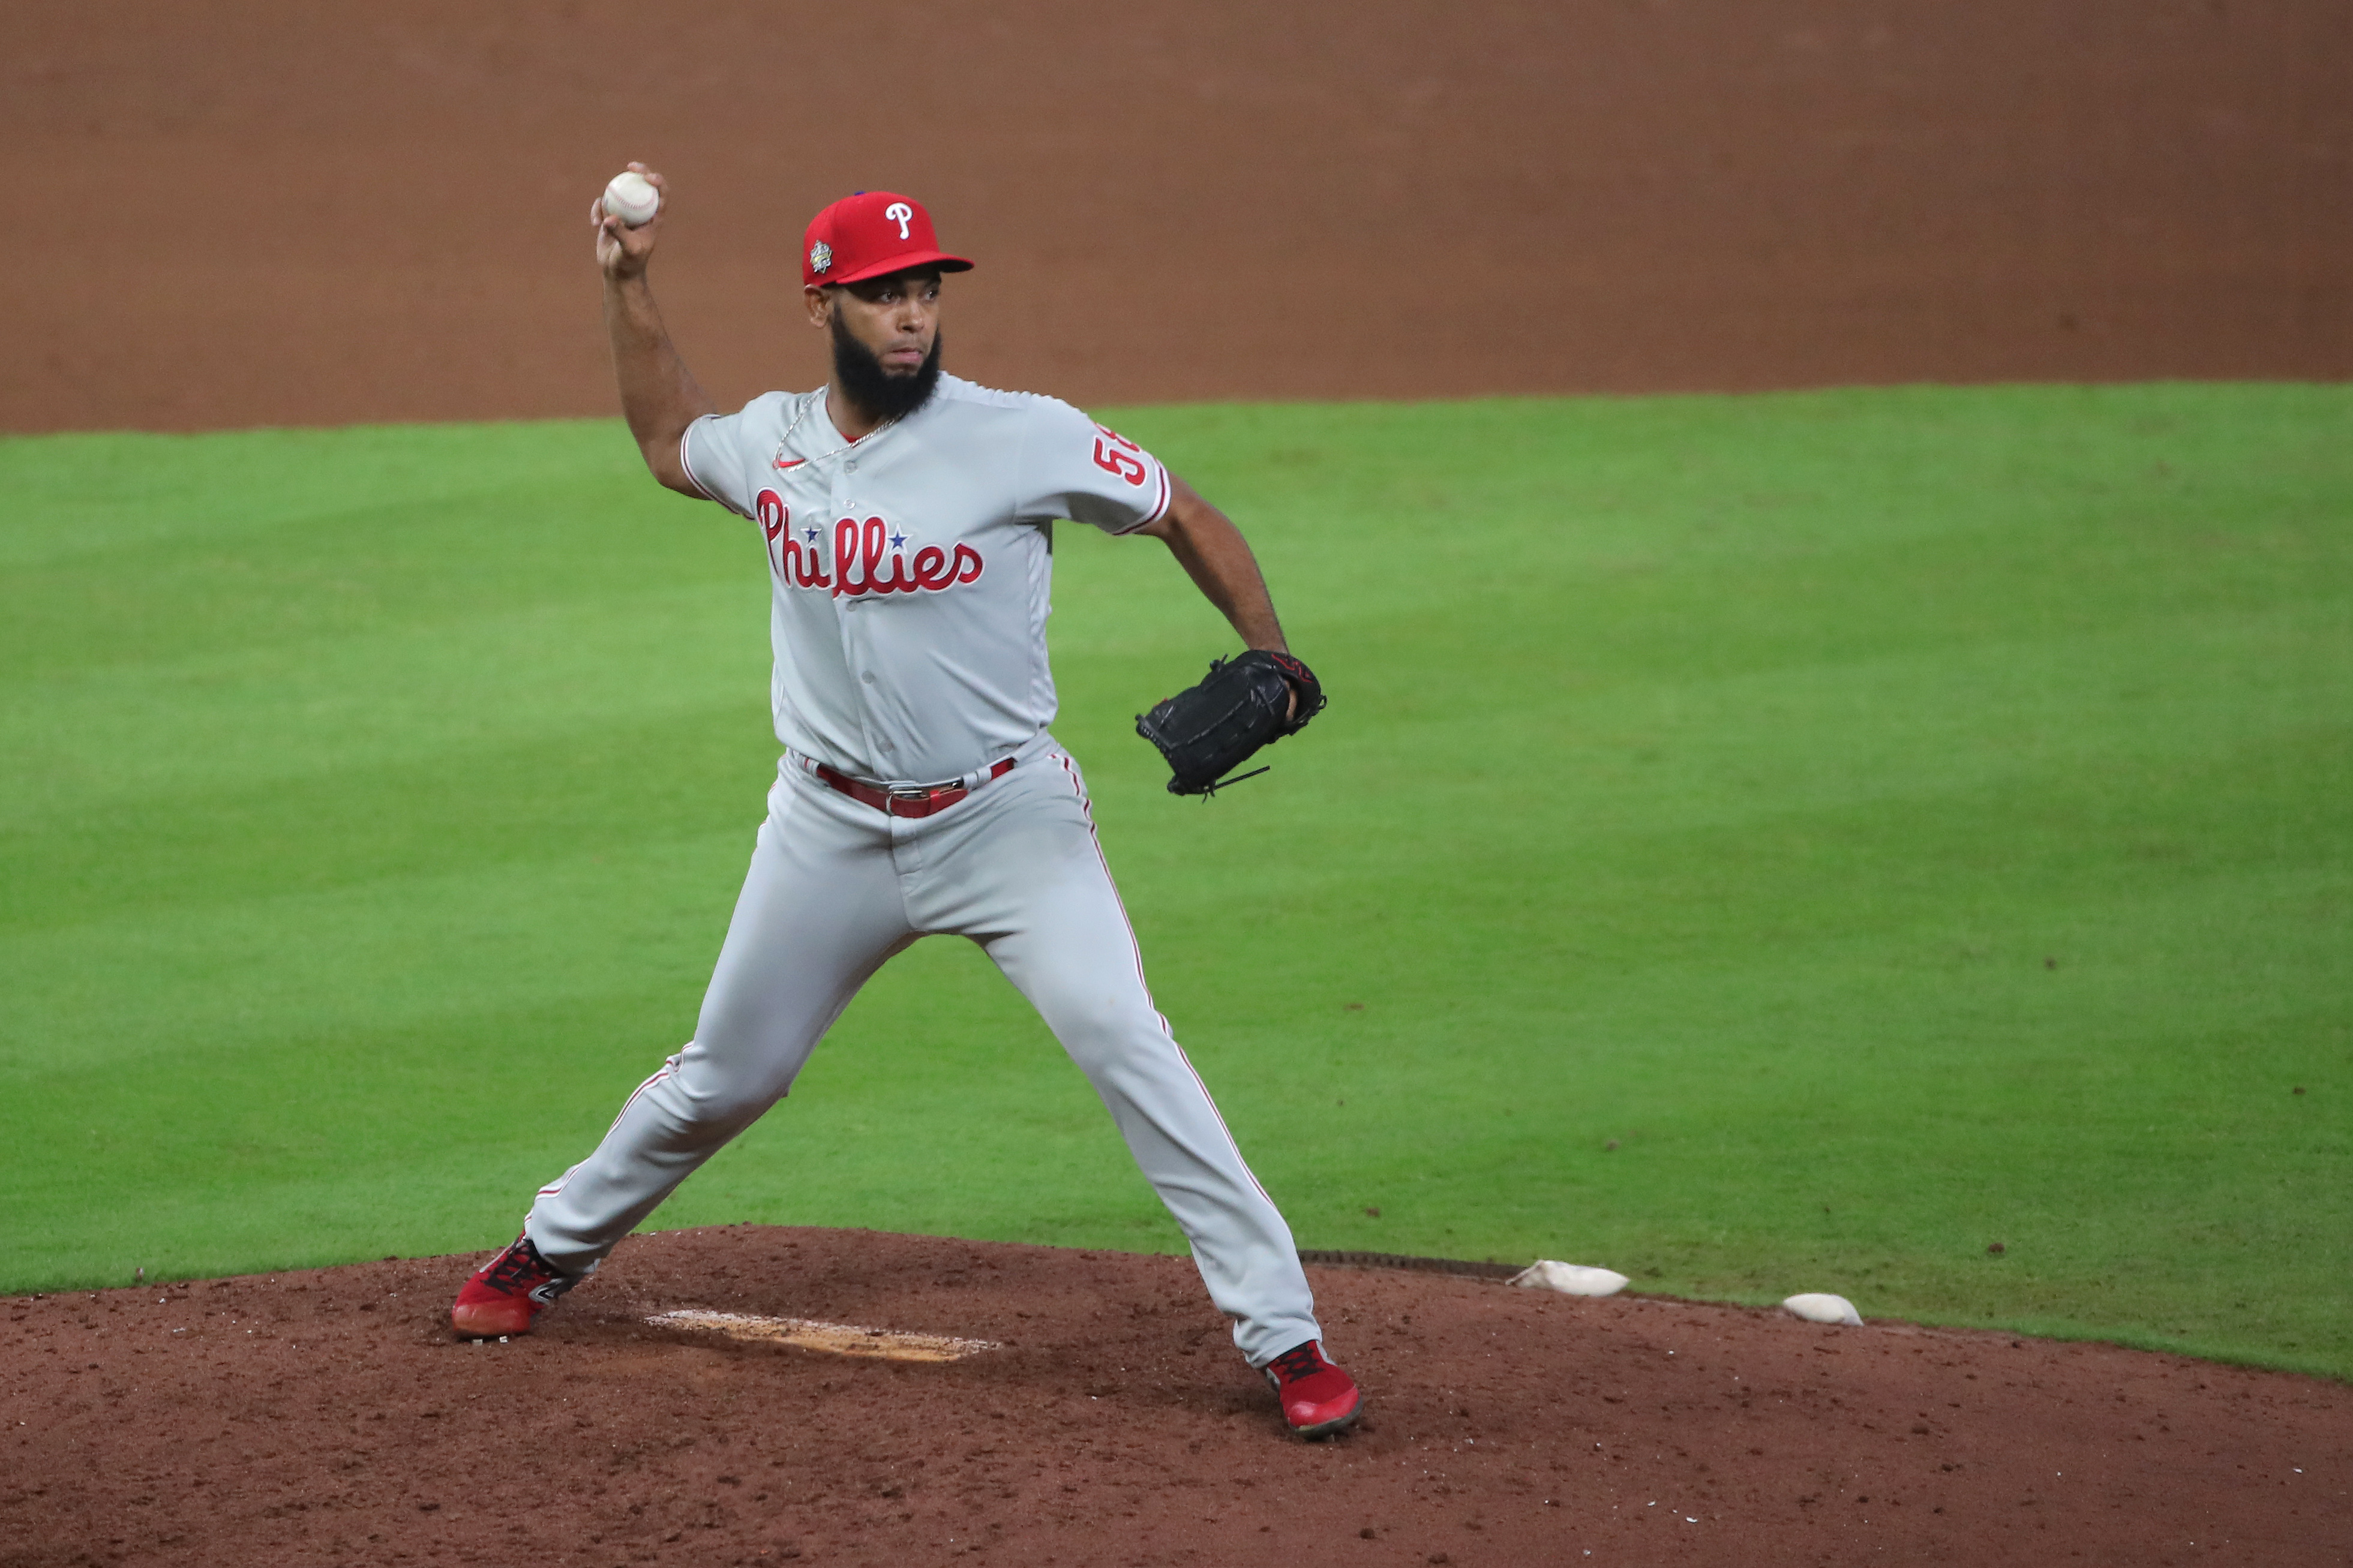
x=1221, y=566
x=1218, y=558
x=660, y=396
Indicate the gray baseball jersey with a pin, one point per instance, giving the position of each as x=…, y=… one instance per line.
x=913, y=569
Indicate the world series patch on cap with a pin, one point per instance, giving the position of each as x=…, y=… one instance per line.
x=873, y=234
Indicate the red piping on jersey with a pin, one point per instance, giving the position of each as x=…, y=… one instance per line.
x=1167, y=494
x=686, y=464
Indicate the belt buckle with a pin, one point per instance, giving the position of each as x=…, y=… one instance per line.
x=922, y=794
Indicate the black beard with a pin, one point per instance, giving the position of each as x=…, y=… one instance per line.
x=885, y=394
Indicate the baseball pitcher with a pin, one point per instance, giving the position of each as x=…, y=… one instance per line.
x=905, y=515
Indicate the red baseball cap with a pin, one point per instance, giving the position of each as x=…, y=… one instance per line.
x=871, y=235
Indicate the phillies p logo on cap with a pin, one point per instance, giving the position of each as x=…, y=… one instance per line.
x=873, y=234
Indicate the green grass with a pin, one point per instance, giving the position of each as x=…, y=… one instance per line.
x=1901, y=821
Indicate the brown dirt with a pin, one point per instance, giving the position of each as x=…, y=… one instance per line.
x=284, y=212
x=328, y=1417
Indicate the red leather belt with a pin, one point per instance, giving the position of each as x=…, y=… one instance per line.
x=921, y=801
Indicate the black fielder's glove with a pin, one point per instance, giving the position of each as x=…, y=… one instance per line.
x=1208, y=730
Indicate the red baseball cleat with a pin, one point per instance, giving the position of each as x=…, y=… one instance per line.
x=508, y=1292
x=1318, y=1398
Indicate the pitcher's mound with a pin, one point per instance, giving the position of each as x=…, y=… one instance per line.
x=1093, y=1412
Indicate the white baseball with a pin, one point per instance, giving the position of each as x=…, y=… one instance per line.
x=632, y=198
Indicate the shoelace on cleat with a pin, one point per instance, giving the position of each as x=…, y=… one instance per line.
x=1303, y=1361
x=519, y=1269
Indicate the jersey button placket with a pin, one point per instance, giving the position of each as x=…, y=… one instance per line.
x=854, y=648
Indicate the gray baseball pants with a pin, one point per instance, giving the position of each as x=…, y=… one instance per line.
x=835, y=888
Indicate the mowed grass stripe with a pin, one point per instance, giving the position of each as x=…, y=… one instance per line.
x=1921, y=725
x=168, y=496
x=1712, y=775
x=132, y=733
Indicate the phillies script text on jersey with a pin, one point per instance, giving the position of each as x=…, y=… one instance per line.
x=853, y=530
x=869, y=557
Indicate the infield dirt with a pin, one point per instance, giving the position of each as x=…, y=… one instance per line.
x=286, y=213
x=329, y=1417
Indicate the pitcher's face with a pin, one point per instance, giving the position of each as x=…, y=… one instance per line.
x=895, y=319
